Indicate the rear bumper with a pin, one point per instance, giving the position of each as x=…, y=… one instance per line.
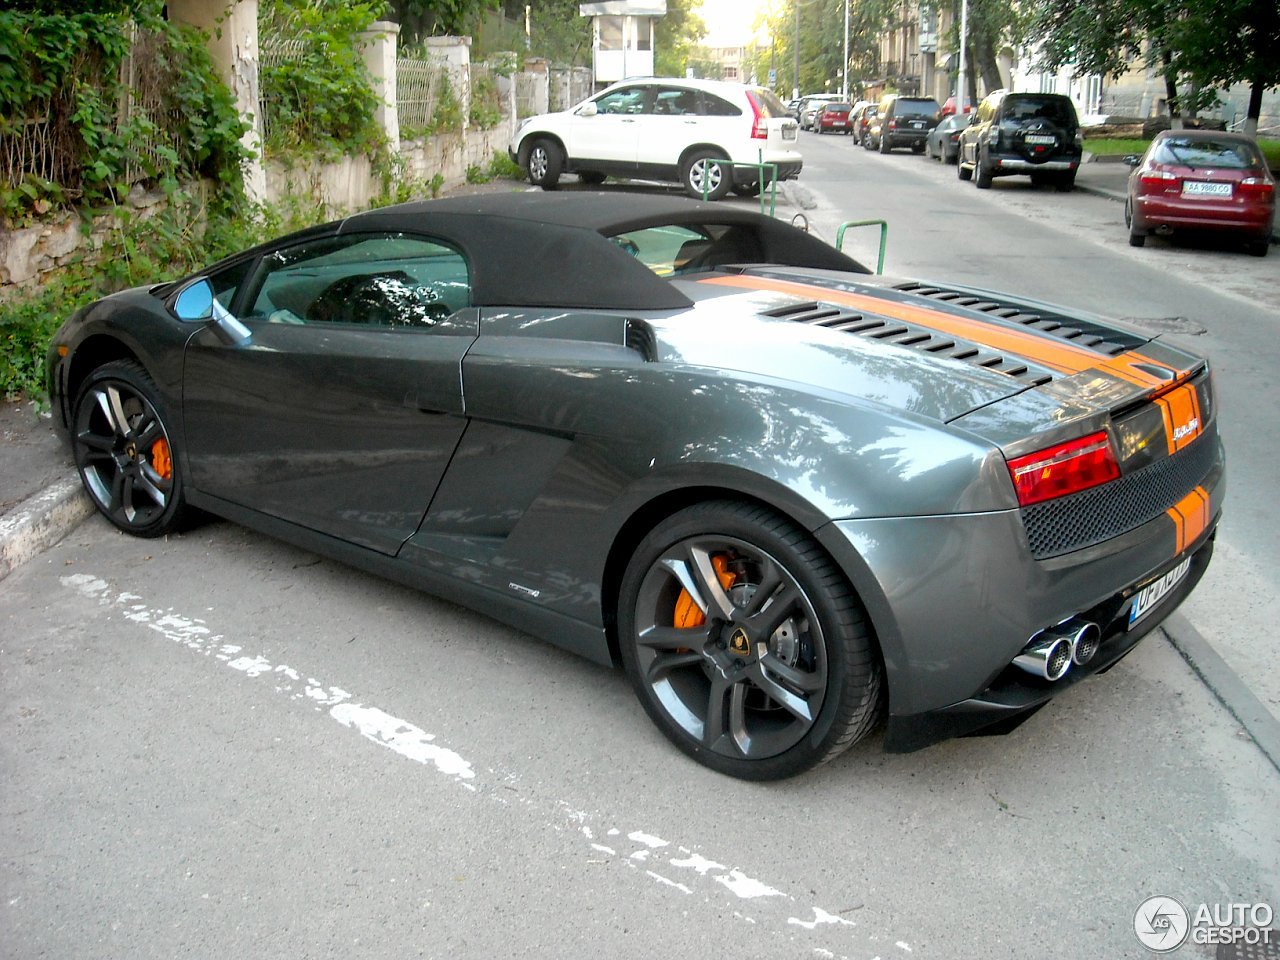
x=1019, y=165
x=1154, y=212
x=1015, y=695
x=749, y=173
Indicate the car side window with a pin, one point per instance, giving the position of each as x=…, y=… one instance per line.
x=628, y=100
x=376, y=279
x=672, y=101
x=714, y=106
x=226, y=282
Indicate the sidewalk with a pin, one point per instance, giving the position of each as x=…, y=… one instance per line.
x=1105, y=176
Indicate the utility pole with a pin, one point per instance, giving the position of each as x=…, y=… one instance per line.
x=795, y=90
x=961, y=91
x=844, y=66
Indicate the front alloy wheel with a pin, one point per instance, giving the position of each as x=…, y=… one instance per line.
x=703, y=172
x=744, y=643
x=123, y=451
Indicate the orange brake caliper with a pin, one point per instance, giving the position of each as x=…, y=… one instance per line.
x=161, y=459
x=687, y=613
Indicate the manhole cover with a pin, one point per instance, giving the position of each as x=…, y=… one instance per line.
x=1168, y=325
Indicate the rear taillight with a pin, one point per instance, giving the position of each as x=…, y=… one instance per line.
x=1159, y=179
x=1063, y=469
x=893, y=124
x=759, y=122
x=1256, y=187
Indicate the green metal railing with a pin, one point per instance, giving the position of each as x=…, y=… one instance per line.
x=762, y=168
x=884, y=236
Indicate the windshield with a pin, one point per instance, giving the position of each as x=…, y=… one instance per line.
x=1056, y=110
x=1197, y=152
x=917, y=108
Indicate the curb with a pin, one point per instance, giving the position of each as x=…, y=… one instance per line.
x=40, y=521
x=1225, y=684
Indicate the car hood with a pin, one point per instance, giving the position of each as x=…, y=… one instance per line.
x=934, y=351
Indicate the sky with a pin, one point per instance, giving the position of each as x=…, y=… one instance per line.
x=729, y=21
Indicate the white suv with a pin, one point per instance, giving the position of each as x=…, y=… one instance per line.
x=664, y=129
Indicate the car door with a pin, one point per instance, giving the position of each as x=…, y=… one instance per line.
x=610, y=136
x=342, y=408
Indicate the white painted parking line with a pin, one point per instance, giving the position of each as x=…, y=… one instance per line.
x=674, y=866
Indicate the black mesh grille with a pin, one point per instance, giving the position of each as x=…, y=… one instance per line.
x=909, y=335
x=1083, y=519
x=1104, y=340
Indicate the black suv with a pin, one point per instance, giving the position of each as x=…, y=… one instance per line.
x=1022, y=133
x=904, y=122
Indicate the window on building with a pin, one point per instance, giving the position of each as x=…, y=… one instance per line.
x=611, y=37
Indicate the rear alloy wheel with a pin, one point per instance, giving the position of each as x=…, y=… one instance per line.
x=745, y=644
x=701, y=169
x=546, y=160
x=123, y=451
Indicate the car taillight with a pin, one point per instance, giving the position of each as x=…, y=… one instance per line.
x=1063, y=469
x=1159, y=179
x=893, y=124
x=1256, y=187
x=759, y=122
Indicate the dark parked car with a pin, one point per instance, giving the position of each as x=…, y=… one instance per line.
x=833, y=118
x=943, y=140
x=1027, y=134
x=904, y=122
x=1202, y=180
x=787, y=496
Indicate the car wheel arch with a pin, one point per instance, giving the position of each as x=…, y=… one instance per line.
x=526, y=145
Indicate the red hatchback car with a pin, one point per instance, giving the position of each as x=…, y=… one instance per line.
x=833, y=118
x=1201, y=180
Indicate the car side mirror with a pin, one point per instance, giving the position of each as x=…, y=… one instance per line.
x=588, y=109
x=195, y=302
x=1131, y=159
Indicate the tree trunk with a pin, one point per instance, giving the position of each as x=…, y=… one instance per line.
x=1255, y=107
x=1171, y=88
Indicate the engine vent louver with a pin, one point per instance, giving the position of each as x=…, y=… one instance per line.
x=1101, y=339
x=908, y=335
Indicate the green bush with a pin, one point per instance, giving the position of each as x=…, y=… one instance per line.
x=318, y=92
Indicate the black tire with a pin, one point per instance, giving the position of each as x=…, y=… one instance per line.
x=124, y=451
x=1065, y=182
x=1136, y=239
x=756, y=690
x=917, y=148
x=884, y=145
x=591, y=178
x=703, y=163
x=747, y=189
x=1259, y=248
x=963, y=172
x=546, y=161
x=981, y=174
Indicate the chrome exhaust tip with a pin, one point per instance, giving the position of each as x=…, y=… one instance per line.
x=1085, y=642
x=1048, y=655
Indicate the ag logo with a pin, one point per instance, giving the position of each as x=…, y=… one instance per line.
x=1161, y=924
x=739, y=643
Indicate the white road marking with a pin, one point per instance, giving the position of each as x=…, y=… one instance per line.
x=419, y=746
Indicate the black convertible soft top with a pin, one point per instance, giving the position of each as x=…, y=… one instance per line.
x=541, y=249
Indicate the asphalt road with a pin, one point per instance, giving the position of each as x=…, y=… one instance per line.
x=215, y=745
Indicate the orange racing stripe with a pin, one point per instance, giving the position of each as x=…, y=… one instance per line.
x=1190, y=517
x=1181, y=411
x=1062, y=357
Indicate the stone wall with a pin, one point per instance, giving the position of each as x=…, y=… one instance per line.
x=30, y=255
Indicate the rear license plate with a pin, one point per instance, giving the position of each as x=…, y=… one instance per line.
x=917, y=125
x=1040, y=138
x=1200, y=188
x=1149, y=597
x=837, y=123
x=788, y=133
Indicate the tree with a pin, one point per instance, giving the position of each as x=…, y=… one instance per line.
x=1210, y=43
x=676, y=36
